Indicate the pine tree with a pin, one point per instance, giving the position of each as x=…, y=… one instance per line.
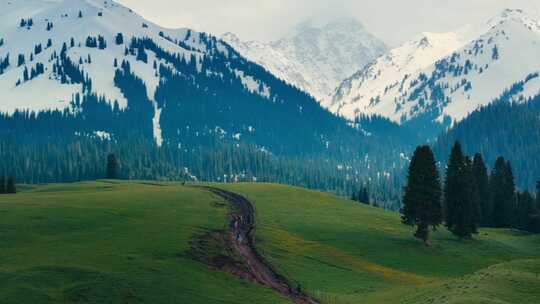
x=102, y=44
x=141, y=54
x=460, y=195
x=112, y=167
x=363, y=196
x=525, y=212
x=452, y=186
x=481, y=179
x=422, y=197
x=354, y=196
x=2, y=185
x=11, y=188
x=119, y=39
x=25, y=74
x=473, y=196
x=495, y=53
x=502, y=189
x=80, y=14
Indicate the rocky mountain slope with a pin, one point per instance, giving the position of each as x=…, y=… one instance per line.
x=314, y=58
x=96, y=68
x=442, y=78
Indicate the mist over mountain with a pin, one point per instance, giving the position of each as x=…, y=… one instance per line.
x=315, y=56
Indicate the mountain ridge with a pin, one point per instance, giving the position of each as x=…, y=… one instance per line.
x=467, y=71
x=314, y=57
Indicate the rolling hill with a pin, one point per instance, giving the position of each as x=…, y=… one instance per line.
x=105, y=242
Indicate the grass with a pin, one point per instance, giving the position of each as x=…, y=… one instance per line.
x=344, y=252
x=116, y=242
x=105, y=242
x=512, y=282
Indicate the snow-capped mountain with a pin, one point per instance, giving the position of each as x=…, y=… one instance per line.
x=95, y=68
x=444, y=77
x=96, y=36
x=314, y=58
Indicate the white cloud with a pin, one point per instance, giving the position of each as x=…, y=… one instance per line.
x=392, y=20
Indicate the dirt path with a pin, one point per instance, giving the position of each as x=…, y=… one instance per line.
x=239, y=238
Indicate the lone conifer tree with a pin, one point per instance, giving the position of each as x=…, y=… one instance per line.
x=503, y=194
x=422, y=198
x=112, y=167
x=2, y=185
x=481, y=179
x=460, y=195
x=11, y=188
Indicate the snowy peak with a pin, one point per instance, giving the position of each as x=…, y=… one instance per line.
x=34, y=31
x=444, y=77
x=335, y=26
x=516, y=16
x=231, y=37
x=316, y=57
x=55, y=53
x=362, y=92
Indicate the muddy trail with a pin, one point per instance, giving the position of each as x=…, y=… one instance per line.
x=237, y=240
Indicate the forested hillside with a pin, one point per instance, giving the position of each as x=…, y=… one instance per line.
x=171, y=104
x=504, y=128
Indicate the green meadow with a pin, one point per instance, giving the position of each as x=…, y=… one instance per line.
x=129, y=242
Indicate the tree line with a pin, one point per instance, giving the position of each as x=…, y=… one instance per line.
x=470, y=197
x=506, y=128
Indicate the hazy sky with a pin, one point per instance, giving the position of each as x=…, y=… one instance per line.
x=394, y=21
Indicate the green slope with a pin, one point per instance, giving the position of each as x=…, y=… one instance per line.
x=344, y=252
x=112, y=243
x=506, y=283
x=115, y=242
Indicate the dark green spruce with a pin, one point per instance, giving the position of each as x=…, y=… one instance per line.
x=112, y=167
x=11, y=187
x=503, y=194
x=460, y=195
x=2, y=185
x=526, y=215
x=362, y=195
x=422, y=198
x=481, y=178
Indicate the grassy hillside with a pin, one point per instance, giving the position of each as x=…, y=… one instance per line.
x=112, y=243
x=344, y=252
x=104, y=242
